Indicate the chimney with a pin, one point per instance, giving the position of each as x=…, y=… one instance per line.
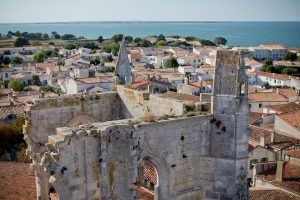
x=262, y=141
x=279, y=170
x=186, y=80
x=273, y=137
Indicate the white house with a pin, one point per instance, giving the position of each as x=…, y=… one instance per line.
x=258, y=100
x=191, y=59
x=151, y=51
x=83, y=50
x=157, y=61
x=73, y=86
x=272, y=52
x=185, y=69
x=273, y=79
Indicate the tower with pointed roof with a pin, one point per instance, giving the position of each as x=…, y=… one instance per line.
x=123, y=75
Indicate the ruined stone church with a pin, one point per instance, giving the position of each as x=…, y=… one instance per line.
x=97, y=146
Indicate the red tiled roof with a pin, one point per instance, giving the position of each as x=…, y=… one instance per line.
x=273, y=75
x=291, y=178
x=254, y=116
x=284, y=108
x=266, y=97
x=288, y=93
x=280, y=141
x=15, y=109
x=257, y=132
x=293, y=153
x=292, y=118
x=17, y=182
x=270, y=194
x=139, y=84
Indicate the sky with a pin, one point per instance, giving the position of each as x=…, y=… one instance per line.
x=20, y=11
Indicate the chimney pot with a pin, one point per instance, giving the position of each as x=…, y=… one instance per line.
x=262, y=141
x=280, y=170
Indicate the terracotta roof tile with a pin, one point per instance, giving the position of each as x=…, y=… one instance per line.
x=254, y=116
x=284, y=108
x=266, y=97
x=270, y=194
x=15, y=109
x=17, y=182
x=293, y=153
x=291, y=178
x=292, y=118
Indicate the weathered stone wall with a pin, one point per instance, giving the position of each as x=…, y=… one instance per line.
x=136, y=104
x=164, y=106
x=132, y=102
x=226, y=79
x=189, y=163
x=201, y=157
x=45, y=115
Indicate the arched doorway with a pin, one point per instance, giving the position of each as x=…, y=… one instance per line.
x=150, y=176
x=152, y=180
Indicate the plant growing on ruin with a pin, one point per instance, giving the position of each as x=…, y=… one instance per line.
x=190, y=106
x=149, y=117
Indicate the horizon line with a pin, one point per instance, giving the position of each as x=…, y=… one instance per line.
x=148, y=21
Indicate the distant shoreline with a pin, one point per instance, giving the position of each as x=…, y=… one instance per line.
x=158, y=22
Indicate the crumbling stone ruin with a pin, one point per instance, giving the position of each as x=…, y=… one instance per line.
x=97, y=146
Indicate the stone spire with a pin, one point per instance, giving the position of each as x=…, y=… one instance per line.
x=123, y=75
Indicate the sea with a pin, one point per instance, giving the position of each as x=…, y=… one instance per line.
x=236, y=33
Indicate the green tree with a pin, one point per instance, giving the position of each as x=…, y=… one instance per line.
x=289, y=71
x=129, y=39
x=172, y=63
x=17, y=60
x=190, y=38
x=108, y=59
x=45, y=36
x=6, y=52
x=268, y=63
x=115, y=50
x=117, y=38
x=137, y=40
x=161, y=37
x=70, y=46
x=106, y=48
x=95, y=62
x=47, y=88
x=206, y=42
x=90, y=45
x=36, y=80
x=18, y=125
x=16, y=85
x=161, y=43
x=220, y=41
x=290, y=56
x=55, y=35
x=1, y=84
x=68, y=37
x=100, y=39
x=20, y=42
x=39, y=57
x=145, y=43
x=6, y=60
